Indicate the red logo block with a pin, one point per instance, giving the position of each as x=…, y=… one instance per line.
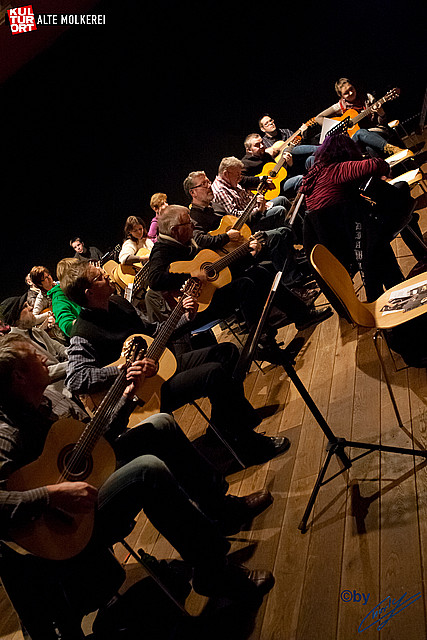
x=22, y=19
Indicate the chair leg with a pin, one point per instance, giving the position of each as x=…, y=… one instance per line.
x=139, y=558
x=377, y=335
x=218, y=434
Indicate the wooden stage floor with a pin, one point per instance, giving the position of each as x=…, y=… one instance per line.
x=366, y=541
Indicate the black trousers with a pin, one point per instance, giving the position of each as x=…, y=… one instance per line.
x=207, y=373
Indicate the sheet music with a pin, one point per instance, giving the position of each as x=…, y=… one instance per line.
x=327, y=124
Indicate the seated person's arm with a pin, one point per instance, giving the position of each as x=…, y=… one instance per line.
x=84, y=373
x=330, y=112
x=159, y=277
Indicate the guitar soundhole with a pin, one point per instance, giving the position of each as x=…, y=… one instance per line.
x=74, y=467
x=211, y=273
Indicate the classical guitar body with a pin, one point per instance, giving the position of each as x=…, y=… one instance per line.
x=125, y=275
x=277, y=179
x=228, y=222
x=57, y=535
x=148, y=390
x=216, y=279
x=349, y=114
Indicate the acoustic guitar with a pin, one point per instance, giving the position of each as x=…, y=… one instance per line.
x=239, y=222
x=216, y=268
x=277, y=171
x=347, y=123
x=148, y=389
x=137, y=283
x=125, y=273
x=73, y=452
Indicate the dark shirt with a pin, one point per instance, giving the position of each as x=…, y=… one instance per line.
x=253, y=166
x=208, y=219
x=89, y=253
x=281, y=134
x=164, y=252
x=97, y=341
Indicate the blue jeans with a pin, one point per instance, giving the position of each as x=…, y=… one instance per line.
x=161, y=472
x=303, y=157
x=274, y=216
x=371, y=141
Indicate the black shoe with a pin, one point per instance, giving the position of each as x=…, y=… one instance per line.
x=237, y=583
x=239, y=512
x=269, y=353
x=315, y=316
x=307, y=294
x=259, y=448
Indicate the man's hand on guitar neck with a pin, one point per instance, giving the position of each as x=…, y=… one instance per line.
x=73, y=497
x=145, y=368
x=191, y=306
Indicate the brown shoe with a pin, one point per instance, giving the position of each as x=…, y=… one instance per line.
x=234, y=582
x=239, y=512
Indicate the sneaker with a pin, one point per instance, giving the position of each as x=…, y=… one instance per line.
x=314, y=317
x=390, y=149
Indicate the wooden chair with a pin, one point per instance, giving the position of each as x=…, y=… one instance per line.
x=413, y=177
x=339, y=289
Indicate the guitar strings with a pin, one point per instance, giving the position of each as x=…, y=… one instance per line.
x=96, y=426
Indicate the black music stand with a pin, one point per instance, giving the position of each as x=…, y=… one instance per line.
x=336, y=446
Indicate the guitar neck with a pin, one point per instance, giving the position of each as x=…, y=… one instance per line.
x=229, y=258
x=291, y=142
x=155, y=350
x=367, y=111
x=140, y=278
x=246, y=213
x=158, y=345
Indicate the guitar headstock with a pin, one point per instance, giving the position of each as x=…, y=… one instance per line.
x=310, y=122
x=392, y=94
x=192, y=287
x=263, y=184
x=134, y=348
x=260, y=236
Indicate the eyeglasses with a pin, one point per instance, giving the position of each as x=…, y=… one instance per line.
x=204, y=184
x=101, y=275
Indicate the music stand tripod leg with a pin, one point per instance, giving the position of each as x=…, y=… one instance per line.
x=330, y=451
x=335, y=445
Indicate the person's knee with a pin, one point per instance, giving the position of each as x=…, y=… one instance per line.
x=161, y=422
x=225, y=354
x=151, y=471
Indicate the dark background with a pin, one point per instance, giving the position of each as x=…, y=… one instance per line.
x=110, y=114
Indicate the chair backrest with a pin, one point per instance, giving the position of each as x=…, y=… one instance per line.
x=338, y=281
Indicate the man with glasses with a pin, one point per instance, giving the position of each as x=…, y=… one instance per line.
x=107, y=320
x=301, y=155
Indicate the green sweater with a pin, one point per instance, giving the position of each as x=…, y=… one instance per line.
x=64, y=310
